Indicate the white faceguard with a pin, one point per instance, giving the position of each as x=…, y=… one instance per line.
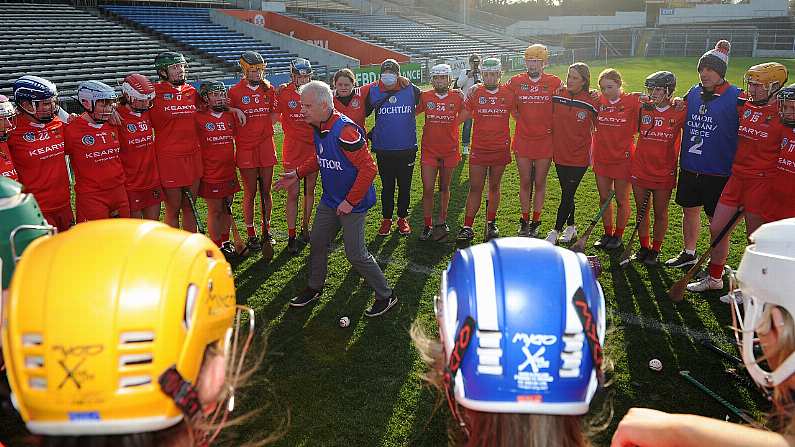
x=766, y=276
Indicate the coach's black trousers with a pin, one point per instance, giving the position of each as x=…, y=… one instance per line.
x=569, y=178
x=395, y=168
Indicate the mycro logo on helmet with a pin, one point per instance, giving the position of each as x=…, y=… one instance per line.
x=88, y=140
x=210, y=126
x=534, y=379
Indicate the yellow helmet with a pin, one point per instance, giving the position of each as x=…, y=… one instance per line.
x=88, y=336
x=770, y=74
x=537, y=52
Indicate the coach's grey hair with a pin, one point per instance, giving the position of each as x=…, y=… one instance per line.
x=321, y=90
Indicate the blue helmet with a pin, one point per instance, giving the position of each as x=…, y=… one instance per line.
x=34, y=89
x=300, y=66
x=535, y=315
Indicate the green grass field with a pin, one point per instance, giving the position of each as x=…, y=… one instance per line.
x=361, y=386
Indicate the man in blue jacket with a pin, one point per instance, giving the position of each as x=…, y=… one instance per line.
x=394, y=139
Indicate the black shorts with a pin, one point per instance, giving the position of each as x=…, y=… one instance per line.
x=699, y=190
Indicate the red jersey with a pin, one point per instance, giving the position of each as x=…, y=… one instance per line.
x=759, y=139
x=172, y=116
x=289, y=105
x=93, y=151
x=354, y=106
x=440, y=133
x=616, y=126
x=573, y=119
x=491, y=113
x=782, y=185
x=659, y=138
x=533, y=105
x=6, y=165
x=138, y=150
x=217, y=139
x=37, y=151
x=257, y=104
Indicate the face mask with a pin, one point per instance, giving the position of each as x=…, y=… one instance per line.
x=218, y=108
x=388, y=78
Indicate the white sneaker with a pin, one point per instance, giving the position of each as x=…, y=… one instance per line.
x=552, y=237
x=465, y=149
x=569, y=233
x=737, y=299
x=706, y=284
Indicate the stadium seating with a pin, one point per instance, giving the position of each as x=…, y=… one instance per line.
x=406, y=35
x=68, y=45
x=193, y=28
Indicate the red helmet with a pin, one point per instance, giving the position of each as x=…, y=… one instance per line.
x=139, y=92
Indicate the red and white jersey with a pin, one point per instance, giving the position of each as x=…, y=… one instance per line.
x=6, y=165
x=440, y=133
x=217, y=139
x=293, y=123
x=172, y=116
x=37, y=151
x=533, y=104
x=491, y=116
x=257, y=104
x=93, y=151
x=759, y=139
x=573, y=118
x=659, y=138
x=616, y=126
x=138, y=150
x=355, y=106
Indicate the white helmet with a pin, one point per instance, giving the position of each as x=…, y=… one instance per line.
x=441, y=70
x=93, y=91
x=766, y=275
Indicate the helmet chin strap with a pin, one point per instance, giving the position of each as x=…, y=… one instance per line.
x=442, y=90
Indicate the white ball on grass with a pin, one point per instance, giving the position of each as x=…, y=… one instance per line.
x=655, y=365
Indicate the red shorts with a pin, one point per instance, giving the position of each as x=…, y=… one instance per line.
x=667, y=185
x=262, y=156
x=616, y=171
x=480, y=157
x=145, y=198
x=218, y=190
x=750, y=192
x=61, y=218
x=438, y=160
x=177, y=171
x=294, y=153
x=103, y=204
x=533, y=149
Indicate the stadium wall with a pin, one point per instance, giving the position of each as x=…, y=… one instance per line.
x=720, y=13
x=577, y=24
x=313, y=52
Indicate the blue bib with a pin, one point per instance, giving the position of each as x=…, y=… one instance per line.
x=395, y=125
x=709, y=138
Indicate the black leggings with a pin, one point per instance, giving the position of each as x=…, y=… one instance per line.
x=395, y=167
x=569, y=178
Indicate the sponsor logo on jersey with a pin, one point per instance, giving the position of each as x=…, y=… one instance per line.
x=784, y=142
x=581, y=115
x=481, y=100
x=431, y=105
x=29, y=137
x=524, y=87
x=746, y=114
x=131, y=127
x=320, y=148
x=246, y=99
x=292, y=104
x=88, y=140
x=702, y=109
x=355, y=103
x=392, y=99
x=646, y=119
x=210, y=126
x=168, y=96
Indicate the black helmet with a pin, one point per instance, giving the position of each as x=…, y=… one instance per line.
x=211, y=86
x=661, y=79
x=249, y=58
x=786, y=94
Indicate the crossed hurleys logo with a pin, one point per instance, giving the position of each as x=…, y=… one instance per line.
x=72, y=361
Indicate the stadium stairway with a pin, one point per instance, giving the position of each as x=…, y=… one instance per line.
x=68, y=45
x=193, y=28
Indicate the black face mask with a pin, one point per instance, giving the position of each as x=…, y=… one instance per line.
x=219, y=108
x=178, y=82
x=254, y=83
x=442, y=90
x=138, y=110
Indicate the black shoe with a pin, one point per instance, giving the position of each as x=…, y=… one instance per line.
x=269, y=238
x=492, y=232
x=602, y=243
x=292, y=246
x=465, y=234
x=641, y=254
x=427, y=233
x=229, y=251
x=533, y=228
x=305, y=297
x=683, y=260
x=651, y=258
x=524, y=228
x=380, y=307
x=304, y=236
x=440, y=232
x=253, y=244
x=614, y=243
